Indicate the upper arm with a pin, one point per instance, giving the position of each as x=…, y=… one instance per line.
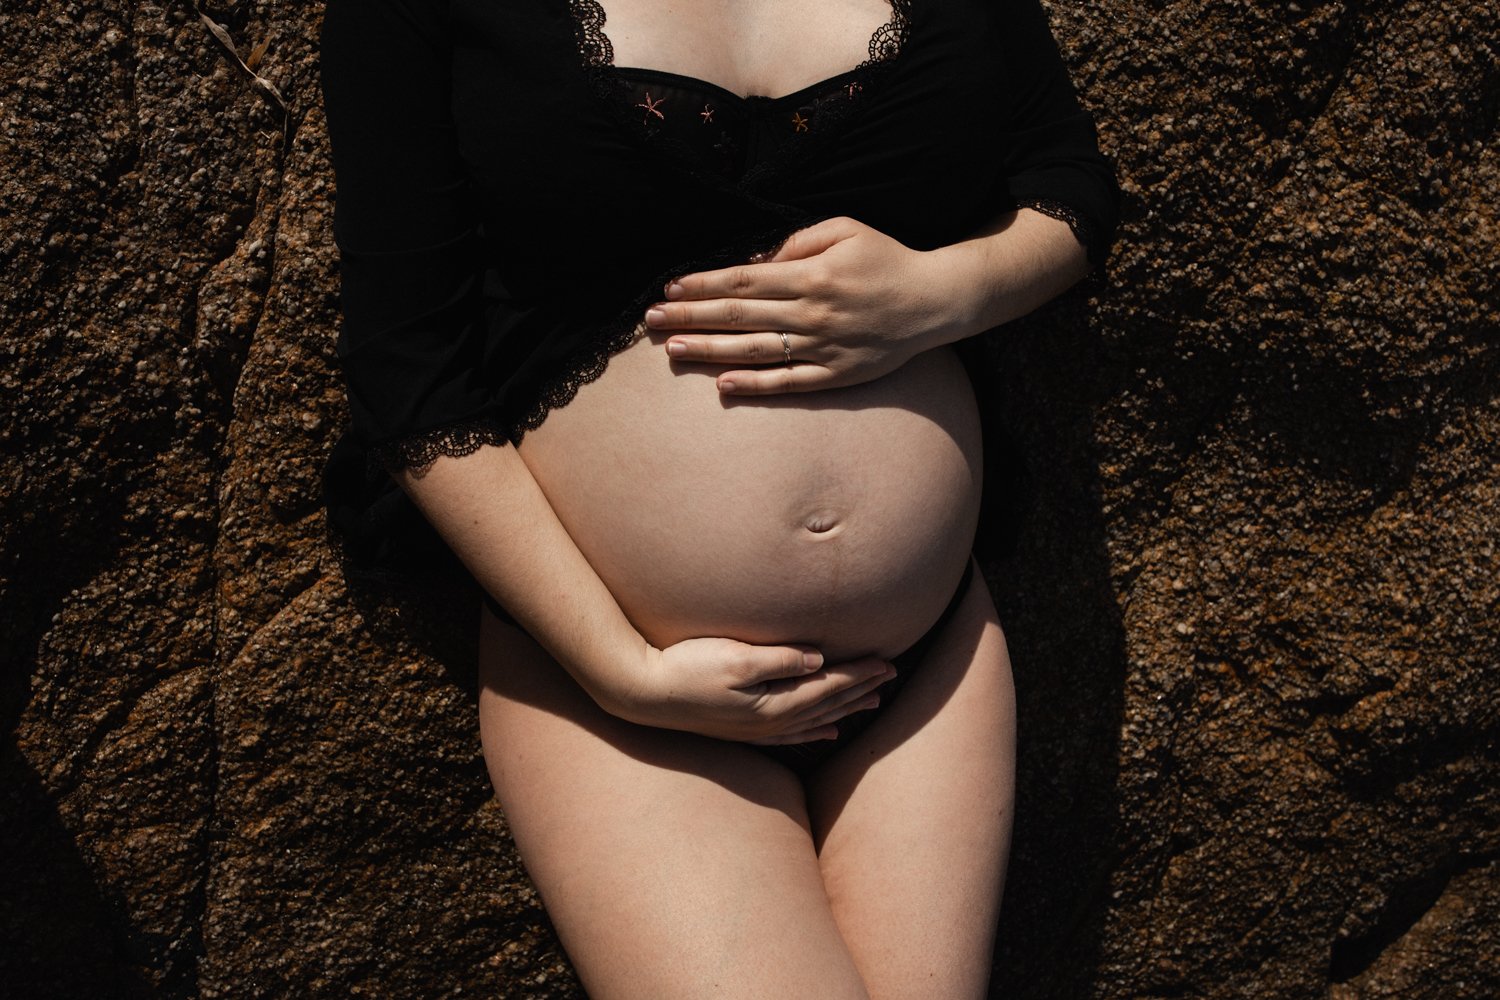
x=404, y=219
x=1053, y=162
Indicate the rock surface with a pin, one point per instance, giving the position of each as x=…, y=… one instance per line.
x=1252, y=618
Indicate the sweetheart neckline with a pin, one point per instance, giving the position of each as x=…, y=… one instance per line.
x=812, y=89
x=590, y=17
x=615, y=90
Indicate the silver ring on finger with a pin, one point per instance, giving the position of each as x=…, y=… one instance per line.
x=786, y=347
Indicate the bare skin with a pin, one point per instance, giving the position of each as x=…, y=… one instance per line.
x=674, y=860
x=676, y=866
x=840, y=519
x=770, y=47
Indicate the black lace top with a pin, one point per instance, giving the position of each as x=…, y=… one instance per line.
x=509, y=201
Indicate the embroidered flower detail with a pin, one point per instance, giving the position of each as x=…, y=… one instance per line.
x=650, y=107
x=707, y=114
x=799, y=124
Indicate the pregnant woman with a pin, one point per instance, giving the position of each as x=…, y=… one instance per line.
x=662, y=317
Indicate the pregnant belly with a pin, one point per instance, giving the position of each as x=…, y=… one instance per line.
x=841, y=518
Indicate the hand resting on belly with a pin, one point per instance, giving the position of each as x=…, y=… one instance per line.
x=837, y=510
x=841, y=519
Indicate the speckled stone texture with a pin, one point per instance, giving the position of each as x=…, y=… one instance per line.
x=1253, y=616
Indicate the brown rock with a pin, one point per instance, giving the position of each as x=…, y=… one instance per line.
x=1252, y=616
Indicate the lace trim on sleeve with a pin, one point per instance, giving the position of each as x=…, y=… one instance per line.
x=416, y=452
x=1085, y=231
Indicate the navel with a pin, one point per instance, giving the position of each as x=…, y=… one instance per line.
x=821, y=522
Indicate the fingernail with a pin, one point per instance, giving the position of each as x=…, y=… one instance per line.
x=812, y=661
x=674, y=289
x=654, y=316
x=869, y=703
x=676, y=349
x=726, y=386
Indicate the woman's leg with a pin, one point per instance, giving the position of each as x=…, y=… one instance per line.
x=671, y=865
x=914, y=818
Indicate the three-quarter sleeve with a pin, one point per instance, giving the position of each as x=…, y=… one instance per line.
x=1053, y=162
x=411, y=341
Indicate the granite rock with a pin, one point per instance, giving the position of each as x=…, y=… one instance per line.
x=1252, y=614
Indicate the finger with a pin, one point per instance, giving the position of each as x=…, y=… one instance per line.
x=842, y=703
x=806, y=736
x=757, y=280
x=805, y=377
x=762, y=664
x=736, y=348
x=807, y=730
x=718, y=314
x=815, y=239
x=808, y=696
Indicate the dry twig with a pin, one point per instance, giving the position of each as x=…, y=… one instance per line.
x=266, y=86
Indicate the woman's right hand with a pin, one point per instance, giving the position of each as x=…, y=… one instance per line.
x=732, y=690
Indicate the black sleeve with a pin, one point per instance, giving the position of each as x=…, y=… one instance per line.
x=407, y=231
x=1054, y=164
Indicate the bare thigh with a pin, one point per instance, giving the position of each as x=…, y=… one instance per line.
x=914, y=818
x=671, y=865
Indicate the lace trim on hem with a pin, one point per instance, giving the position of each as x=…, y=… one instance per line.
x=418, y=451
x=590, y=361
x=1083, y=230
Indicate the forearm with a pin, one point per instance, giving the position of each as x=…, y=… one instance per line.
x=1019, y=262
x=494, y=516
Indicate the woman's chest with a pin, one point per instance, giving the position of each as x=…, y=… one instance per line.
x=766, y=47
x=562, y=135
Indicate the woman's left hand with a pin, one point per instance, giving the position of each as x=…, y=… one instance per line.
x=853, y=303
